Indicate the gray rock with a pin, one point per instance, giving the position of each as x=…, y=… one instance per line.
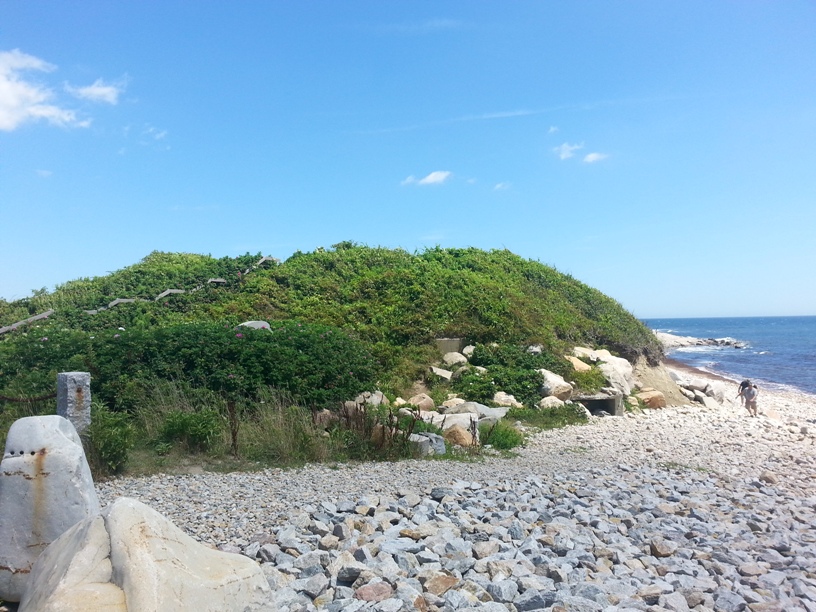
x=45, y=488
x=437, y=442
x=74, y=398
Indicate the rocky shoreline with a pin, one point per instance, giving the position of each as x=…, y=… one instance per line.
x=681, y=508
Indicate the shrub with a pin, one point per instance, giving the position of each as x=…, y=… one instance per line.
x=589, y=381
x=550, y=418
x=282, y=433
x=317, y=365
x=110, y=437
x=501, y=435
x=523, y=384
x=196, y=430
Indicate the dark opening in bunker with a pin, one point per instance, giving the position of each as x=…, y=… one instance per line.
x=602, y=404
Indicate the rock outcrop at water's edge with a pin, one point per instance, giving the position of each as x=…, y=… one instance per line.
x=671, y=341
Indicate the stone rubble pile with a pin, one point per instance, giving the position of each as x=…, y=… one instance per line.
x=622, y=538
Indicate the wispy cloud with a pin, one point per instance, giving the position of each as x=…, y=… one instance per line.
x=22, y=100
x=567, y=150
x=437, y=177
x=98, y=91
x=488, y=116
x=591, y=158
x=501, y=186
x=553, y=129
x=154, y=133
x=44, y=173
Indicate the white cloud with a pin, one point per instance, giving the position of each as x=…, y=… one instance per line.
x=567, y=150
x=553, y=129
x=437, y=177
x=44, y=173
x=501, y=186
x=591, y=158
x=99, y=91
x=22, y=100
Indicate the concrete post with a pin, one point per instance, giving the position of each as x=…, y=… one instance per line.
x=74, y=398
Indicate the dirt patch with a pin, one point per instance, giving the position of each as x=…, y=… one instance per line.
x=658, y=377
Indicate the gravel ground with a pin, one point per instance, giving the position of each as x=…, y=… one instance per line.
x=728, y=445
x=674, y=509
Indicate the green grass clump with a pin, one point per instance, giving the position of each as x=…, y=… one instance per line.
x=590, y=381
x=110, y=437
x=196, y=430
x=501, y=435
x=550, y=418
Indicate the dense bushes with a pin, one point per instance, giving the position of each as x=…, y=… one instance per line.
x=317, y=365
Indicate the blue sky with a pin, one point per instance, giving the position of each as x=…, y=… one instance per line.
x=662, y=152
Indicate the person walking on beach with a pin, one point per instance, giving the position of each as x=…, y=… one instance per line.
x=743, y=385
x=749, y=394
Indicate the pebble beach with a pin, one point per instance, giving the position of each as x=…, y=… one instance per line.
x=682, y=508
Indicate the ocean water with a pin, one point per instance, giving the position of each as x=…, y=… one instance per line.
x=781, y=351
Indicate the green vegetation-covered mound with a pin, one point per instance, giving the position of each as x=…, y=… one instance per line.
x=173, y=372
x=393, y=303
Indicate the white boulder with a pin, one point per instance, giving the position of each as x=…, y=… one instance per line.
x=446, y=421
x=423, y=401
x=74, y=573
x=45, y=488
x=452, y=359
x=441, y=373
x=505, y=399
x=131, y=558
x=555, y=385
x=618, y=372
x=550, y=402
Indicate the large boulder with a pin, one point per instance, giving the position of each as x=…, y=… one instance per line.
x=617, y=371
x=549, y=402
x=577, y=364
x=255, y=324
x=616, y=378
x=422, y=401
x=652, y=398
x=131, y=558
x=459, y=436
x=454, y=358
x=555, y=385
x=372, y=398
x=446, y=421
x=74, y=573
x=505, y=399
x=45, y=488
